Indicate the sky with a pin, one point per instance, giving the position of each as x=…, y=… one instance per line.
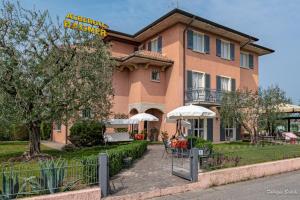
x=274, y=22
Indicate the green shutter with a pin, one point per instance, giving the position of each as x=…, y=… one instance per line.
x=231, y=51
x=207, y=81
x=210, y=129
x=222, y=132
x=233, y=85
x=206, y=44
x=190, y=39
x=218, y=47
x=218, y=83
x=251, y=66
x=159, y=44
x=149, y=46
x=189, y=79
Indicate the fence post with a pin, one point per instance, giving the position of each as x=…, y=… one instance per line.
x=103, y=174
x=194, y=164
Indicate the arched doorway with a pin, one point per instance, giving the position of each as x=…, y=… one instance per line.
x=154, y=128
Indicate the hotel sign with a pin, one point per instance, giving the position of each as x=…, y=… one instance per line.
x=85, y=24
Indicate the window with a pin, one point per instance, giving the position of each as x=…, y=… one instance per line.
x=225, y=50
x=155, y=75
x=57, y=126
x=198, y=127
x=198, y=42
x=225, y=84
x=230, y=132
x=197, y=80
x=246, y=60
x=86, y=113
x=154, y=45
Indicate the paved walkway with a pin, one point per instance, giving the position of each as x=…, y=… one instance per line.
x=53, y=145
x=284, y=186
x=150, y=172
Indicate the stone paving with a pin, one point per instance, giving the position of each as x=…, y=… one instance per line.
x=148, y=173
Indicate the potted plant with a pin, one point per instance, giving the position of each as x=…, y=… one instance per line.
x=164, y=135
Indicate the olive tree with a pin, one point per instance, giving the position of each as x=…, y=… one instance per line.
x=48, y=73
x=253, y=110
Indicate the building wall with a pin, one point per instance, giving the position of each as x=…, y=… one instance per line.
x=135, y=87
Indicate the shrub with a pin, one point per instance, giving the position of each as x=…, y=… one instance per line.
x=116, y=156
x=200, y=143
x=207, y=146
x=19, y=132
x=87, y=133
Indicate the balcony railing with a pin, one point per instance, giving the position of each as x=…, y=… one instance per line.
x=203, y=95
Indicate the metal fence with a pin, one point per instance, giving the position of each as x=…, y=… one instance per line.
x=47, y=177
x=185, y=163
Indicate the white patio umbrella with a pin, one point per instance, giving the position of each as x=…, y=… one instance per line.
x=184, y=123
x=191, y=112
x=142, y=117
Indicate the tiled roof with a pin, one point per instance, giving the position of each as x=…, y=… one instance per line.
x=147, y=54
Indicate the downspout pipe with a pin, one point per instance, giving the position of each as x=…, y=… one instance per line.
x=249, y=41
x=184, y=55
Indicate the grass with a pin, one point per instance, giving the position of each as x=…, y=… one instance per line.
x=251, y=154
x=17, y=148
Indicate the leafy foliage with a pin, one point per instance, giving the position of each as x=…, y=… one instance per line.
x=87, y=133
x=10, y=186
x=48, y=73
x=253, y=110
x=51, y=180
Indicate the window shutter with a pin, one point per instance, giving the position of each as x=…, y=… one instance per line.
x=222, y=132
x=149, y=46
x=159, y=44
x=190, y=39
x=233, y=87
x=207, y=81
x=218, y=45
x=231, y=51
x=251, y=66
x=189, y=79
x=210, y=129
x=218, y=83
x=206, y=44
x=238, y=132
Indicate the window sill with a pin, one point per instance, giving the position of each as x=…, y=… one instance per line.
x=156, y=81
x=59, y=131
x=201, y=52
x=242, y=67
x=226, y=59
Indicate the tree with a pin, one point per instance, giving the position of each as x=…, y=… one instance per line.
x=48, y=73
x=270, y=99
x=253, y=110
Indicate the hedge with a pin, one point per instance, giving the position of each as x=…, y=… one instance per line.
x=116, y=155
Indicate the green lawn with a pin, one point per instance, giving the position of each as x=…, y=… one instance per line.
x=14, y=149
x=250, y=154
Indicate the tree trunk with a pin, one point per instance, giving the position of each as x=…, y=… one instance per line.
x=34, y=139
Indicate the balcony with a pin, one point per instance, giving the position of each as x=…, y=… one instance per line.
x=203, y=96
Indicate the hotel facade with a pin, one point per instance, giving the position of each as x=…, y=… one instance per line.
x=181, y=59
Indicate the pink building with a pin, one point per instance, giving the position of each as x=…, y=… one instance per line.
x=181, y=59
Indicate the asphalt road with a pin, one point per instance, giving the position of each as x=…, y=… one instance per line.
x=284, y=186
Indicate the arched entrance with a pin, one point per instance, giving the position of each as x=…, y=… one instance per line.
x=154, y=128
